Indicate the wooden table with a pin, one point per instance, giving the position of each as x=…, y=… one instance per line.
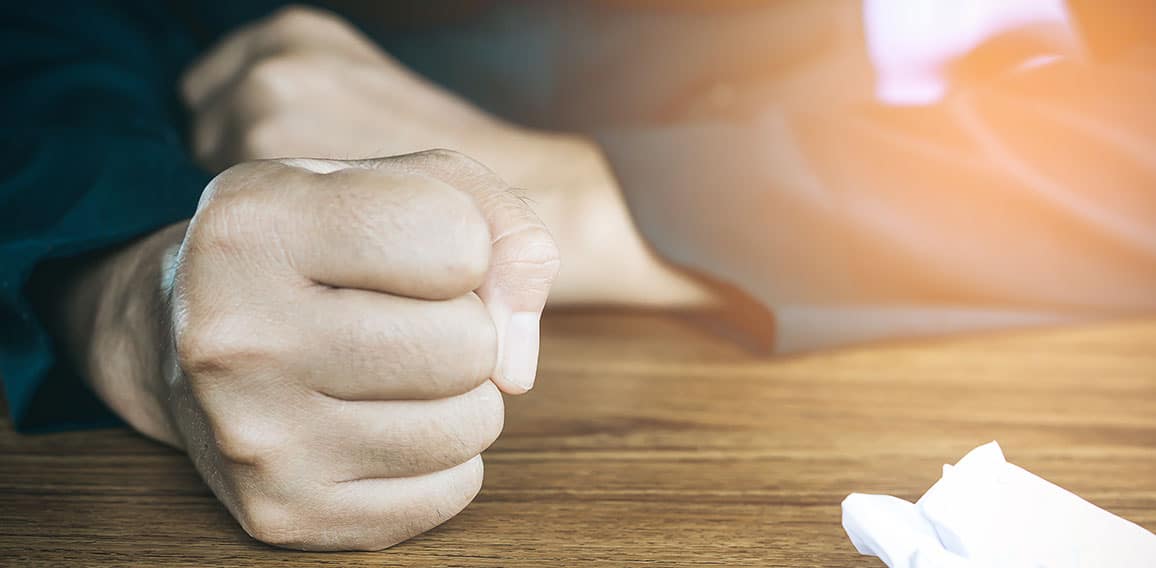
x=650, y=442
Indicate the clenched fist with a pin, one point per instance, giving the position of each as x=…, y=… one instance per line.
x=340, y=332
x=304, y=82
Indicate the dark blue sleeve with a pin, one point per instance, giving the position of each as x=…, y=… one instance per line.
x=91, y=156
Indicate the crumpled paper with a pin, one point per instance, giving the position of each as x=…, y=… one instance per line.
x=986, y=512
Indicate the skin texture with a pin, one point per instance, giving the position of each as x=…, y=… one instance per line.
x=329, y=339
x=334, y=340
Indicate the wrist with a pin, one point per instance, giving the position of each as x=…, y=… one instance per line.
x=114, y=323
x=605, y=259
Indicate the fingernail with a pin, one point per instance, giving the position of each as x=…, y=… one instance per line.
x=520, y=357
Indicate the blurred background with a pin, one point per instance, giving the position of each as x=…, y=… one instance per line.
x=866, y=169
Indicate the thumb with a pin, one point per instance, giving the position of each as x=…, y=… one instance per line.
x=524, y=261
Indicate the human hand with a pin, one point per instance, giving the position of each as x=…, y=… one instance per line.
x=335, y=327
x=303, y=82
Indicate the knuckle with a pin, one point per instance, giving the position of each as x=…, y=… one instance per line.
x=478, y=337
x=200, y=351
x=275, y=78
x=467, y=261
x=238, y=207
x=298, y=19
x=462, y=258
x=453, y=491
x=246, y=440
x=491, y=415
x=407, y=521
x=218, y=226
x=529, y=254
x=208, y=345
x=479, y=423
x=449, y=353
x=464, y=485
x=469, y=237
x=232, y=180
x=458, y=274
x=533, y=246
x=271, y=522
x=263, y=139
x=473, y=477
x=313, y=29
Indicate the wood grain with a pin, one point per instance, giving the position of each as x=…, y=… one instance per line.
x=649, y=442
